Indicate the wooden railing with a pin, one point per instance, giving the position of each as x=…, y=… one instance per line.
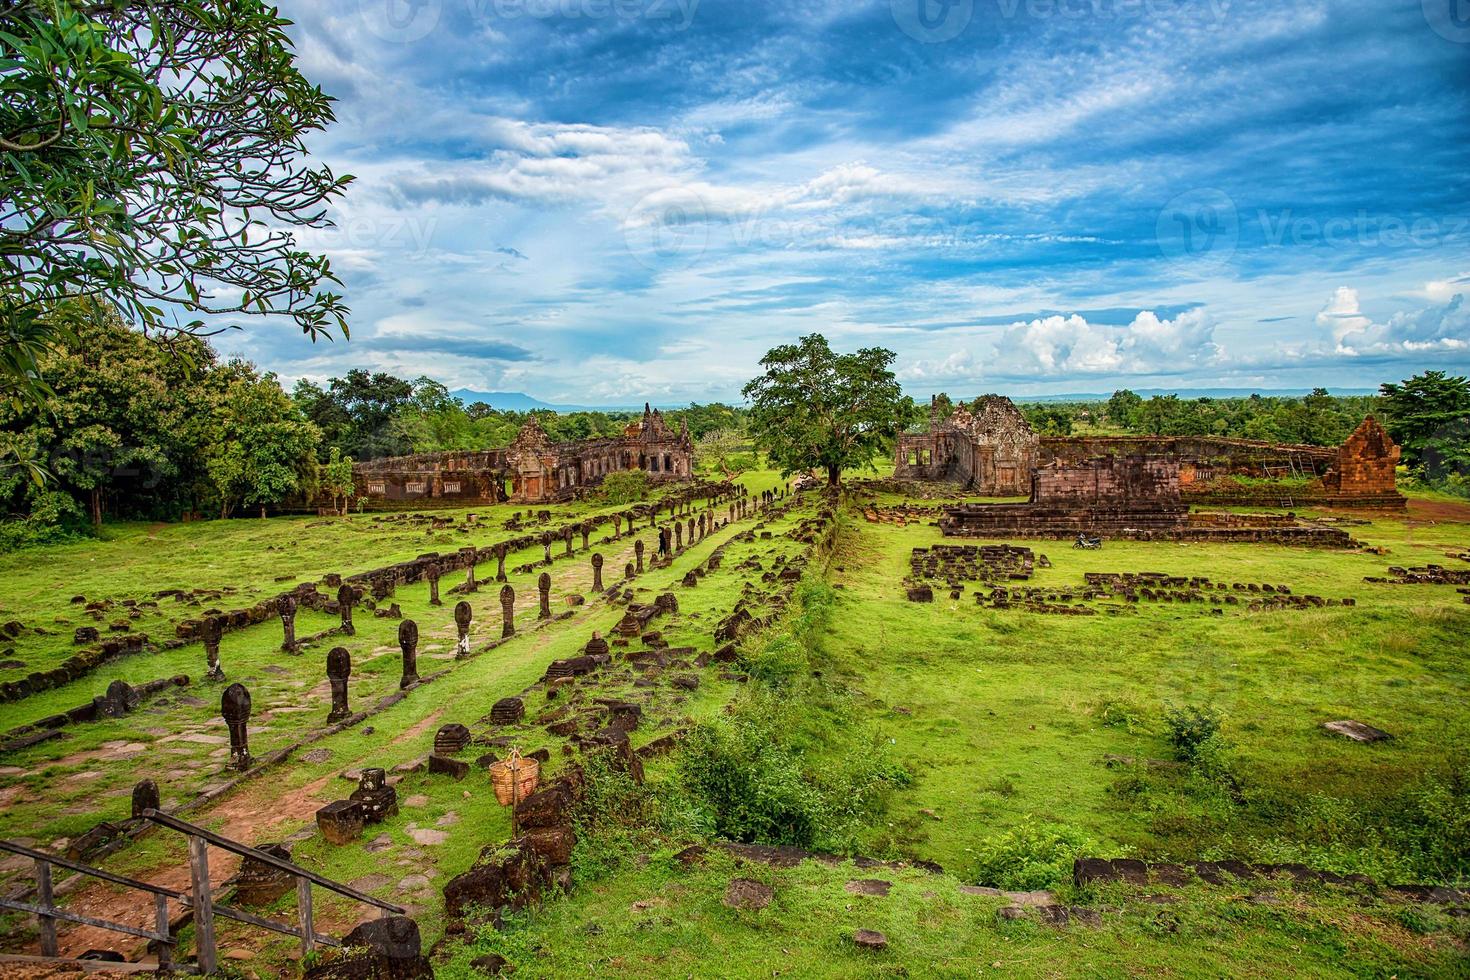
x=199, y=899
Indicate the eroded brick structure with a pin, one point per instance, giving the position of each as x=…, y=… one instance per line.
x=532, y=470
x=991, y=450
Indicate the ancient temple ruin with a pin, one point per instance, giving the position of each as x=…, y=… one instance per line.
x=991, y=450
x=532, y=469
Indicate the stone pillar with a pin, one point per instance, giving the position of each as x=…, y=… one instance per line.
x=546, y=549
x=617, y=526
x=463, y=614
x=287, y=610
x=234, y=704
x=638, y=554
x=586, y=533
x=432, y=574
x=345, y=598
x=470, y=585
x=500, y=552
x=569, y=533
x=211, y=634
x=543, y=585
x=507, y=611
x=628, y=570
x=408, y=642
x=691, y=531
x=732, y=513
x=678, y=537
x=339, y=669
x=652, y=514
x=145, y=797
x=597, y=572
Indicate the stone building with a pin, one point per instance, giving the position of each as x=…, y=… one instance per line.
x=989, y=450
x=532, y=470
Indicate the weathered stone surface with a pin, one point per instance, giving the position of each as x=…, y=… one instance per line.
x=1357, y=731
x=870, y=939
x=747, y=894
x=875, y=887
x=340, y=822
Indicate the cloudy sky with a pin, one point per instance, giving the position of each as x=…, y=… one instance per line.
x=607, y=201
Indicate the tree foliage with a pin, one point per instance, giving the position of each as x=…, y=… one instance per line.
x=130, y=430
x=261, y=448
x=816, y=409
x=152, y=157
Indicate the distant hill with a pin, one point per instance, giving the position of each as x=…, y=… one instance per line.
x=519, y=401
x=1188, y=393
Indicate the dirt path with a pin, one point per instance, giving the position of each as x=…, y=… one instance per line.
x=1437, y=511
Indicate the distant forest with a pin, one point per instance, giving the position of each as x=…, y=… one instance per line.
x=133, y=429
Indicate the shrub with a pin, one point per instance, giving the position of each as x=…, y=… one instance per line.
x=626, y=487
x=616, y=816
x=1028, y=857
x=1193, y=730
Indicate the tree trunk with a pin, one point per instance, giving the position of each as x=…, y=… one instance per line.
x=96, y=506
x=262, y=511
x=834, y=474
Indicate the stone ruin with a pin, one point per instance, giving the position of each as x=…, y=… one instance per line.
x=536, y=469
x=235, y=708
x=408, y=643
x=990, y=449
x=339, y=670
x=463, y=615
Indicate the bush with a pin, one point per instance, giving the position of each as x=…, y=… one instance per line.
x=1029, y=857
x=1193, y=731
x=615, y=818
x=626, y=487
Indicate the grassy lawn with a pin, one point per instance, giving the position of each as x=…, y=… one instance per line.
x=1003, y=721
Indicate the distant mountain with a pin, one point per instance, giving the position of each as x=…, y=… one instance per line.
x=519, y=401
x=1188, y=393
x=514, y=401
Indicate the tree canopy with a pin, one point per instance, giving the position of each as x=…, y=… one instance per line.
x=816, y=409
x=152, y=158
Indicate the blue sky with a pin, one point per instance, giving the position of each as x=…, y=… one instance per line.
x=607, y=201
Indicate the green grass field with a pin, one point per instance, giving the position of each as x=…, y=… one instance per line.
x=1000, y=734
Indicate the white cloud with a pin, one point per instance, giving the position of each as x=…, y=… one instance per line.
x=1060, y=345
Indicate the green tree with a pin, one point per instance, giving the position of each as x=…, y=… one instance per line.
x=336, y=480
x=262, y=448
x=721, y=450
x=815, y=409
x=1423, y=407
x=151, y=156
x=123, y=423
x=1123, y=407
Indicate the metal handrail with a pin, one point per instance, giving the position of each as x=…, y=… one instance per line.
x=280, y=864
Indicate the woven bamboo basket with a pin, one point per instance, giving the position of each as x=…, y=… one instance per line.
x=514, y=778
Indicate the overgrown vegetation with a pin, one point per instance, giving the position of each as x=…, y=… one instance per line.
x=626, y=487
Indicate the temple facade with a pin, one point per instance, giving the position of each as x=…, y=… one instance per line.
x=989, y=449
x=532, y=470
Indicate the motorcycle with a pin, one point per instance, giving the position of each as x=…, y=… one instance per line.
x=1085, y=543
